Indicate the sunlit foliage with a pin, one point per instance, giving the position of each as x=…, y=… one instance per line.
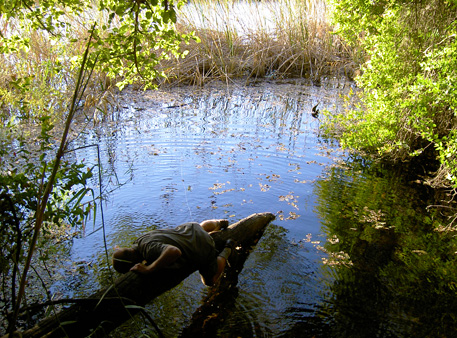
x=52, y=54
x=408, y=81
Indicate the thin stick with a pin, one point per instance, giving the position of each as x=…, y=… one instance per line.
x=49, y=186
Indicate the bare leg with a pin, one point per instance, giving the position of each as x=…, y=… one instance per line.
x=211, y=225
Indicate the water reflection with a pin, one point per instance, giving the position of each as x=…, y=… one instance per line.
x=227, y=152
x=392, y=275
x=277, y=280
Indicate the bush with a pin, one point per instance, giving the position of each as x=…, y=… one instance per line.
x=408, y=84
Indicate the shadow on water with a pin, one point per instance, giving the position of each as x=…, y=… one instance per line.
x=390, y=273
x=262, y=301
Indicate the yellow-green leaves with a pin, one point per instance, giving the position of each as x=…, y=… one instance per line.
x=409, y=79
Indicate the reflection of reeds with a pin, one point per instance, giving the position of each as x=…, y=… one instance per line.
x=239, y=38
x=282, y=38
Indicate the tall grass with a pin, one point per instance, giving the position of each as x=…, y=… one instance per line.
x=239, y=39
x=38, y=81
x=245, y=39
x=254, y=39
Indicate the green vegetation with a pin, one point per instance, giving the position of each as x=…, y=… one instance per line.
x=56, y=55
x=405, y=110
x=408, y=101
x=258, y=39
x=45, y=93
x=391, y=253
x=60, y=64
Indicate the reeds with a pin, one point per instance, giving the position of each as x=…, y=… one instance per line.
x=253, y=39
x=39, y=79
x=239, y=39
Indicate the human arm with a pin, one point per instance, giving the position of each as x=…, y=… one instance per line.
x=211, y=225
x=168, y=256
x=211, y=280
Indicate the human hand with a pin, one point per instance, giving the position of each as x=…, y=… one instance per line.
x=140, y=268
x=223, y=224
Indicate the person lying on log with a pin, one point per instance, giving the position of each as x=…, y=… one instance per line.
x=187, y=244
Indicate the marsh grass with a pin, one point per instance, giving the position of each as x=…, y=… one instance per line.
x=239, y=39
x=39, y=80
x=253, y=39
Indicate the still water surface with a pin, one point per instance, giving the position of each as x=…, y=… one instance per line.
x=323, y=268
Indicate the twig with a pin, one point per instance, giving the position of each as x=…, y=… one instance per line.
x=135, y=35
x=49, y=186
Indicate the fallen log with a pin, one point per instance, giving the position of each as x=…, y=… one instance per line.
x=106, y=309
x=220, y=299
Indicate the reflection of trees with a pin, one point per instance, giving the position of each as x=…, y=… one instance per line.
x=393, y=274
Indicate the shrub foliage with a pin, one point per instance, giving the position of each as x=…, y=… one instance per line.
x=408, y=82
x=49, y=52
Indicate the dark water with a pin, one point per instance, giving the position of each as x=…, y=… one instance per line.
x=227, y=152
x=392, y=254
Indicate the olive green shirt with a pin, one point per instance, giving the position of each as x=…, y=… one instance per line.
x=196, y=245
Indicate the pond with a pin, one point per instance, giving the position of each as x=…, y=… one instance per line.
x=324, y=267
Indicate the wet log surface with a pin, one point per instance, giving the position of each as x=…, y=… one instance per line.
x=106, y=309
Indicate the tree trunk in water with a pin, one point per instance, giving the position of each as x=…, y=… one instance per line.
x=220, y=299
x=106, y=309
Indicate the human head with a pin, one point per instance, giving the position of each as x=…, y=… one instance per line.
x=125, y=258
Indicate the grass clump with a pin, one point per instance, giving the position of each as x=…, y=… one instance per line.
x=252, y=39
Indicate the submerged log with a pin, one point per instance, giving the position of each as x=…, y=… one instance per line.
x=106, y=309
